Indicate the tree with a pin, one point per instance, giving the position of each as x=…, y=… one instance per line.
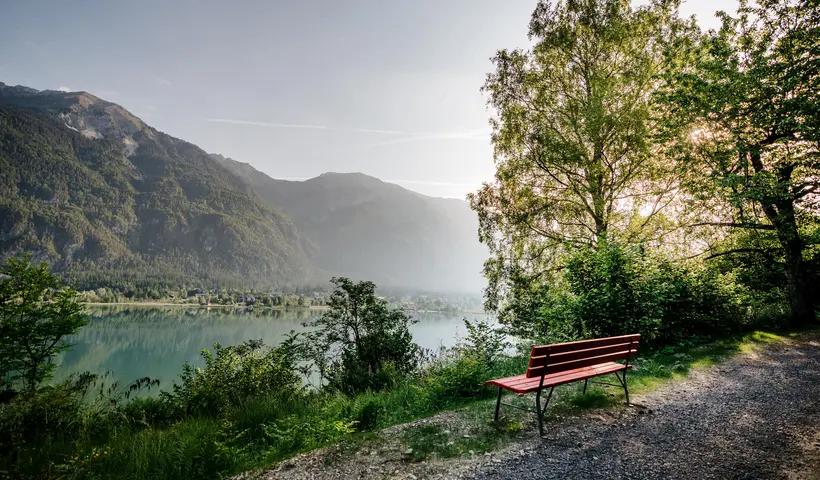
x=744, y=105
x=360, y=343
x=572, y=142
x=36, y=313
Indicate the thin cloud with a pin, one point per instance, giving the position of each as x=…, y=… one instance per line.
x=407, y=137
x=470, y=135
x=435, y=184
x=64, y=89
x=163, y=81
x=302, y=126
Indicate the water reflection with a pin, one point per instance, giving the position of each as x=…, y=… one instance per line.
x=133, y=342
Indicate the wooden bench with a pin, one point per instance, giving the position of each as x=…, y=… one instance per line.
x=561, y=363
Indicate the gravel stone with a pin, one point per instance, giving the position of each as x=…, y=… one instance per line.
x=755, y=417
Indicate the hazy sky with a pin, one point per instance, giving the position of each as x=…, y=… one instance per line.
x=296, y=88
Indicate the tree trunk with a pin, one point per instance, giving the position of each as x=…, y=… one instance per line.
x=797, y=275
x=799, y=286
x=780, y=211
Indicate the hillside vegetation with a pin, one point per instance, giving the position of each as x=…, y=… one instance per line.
x=167, y=212
x=112, y=202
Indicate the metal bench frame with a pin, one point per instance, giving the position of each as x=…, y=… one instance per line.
x=539, y=410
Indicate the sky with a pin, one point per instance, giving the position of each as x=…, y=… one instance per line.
x=295, y=88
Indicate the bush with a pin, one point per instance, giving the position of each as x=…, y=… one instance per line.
x=231, y=375
x=611, y=290
x=483, y=343
x=454, y=379
x=460, y=373
x=36, y=313
x=359, y=343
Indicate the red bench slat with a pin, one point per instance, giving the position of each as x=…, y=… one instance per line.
x=523, y=378
x=551, y=368
x=524, y=384
x=579, y=354
x=540, y=350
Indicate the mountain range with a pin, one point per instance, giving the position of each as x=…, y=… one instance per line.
x=107, y=199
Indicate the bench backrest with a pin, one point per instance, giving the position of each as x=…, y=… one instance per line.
x=560, y=357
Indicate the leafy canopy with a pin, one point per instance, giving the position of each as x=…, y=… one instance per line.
x=572, y=137
x=36, y=313
x=744, y=109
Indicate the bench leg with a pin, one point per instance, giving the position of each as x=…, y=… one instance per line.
x=498, y=404
x=540, y=411
x=623, y=384
x=585, y=386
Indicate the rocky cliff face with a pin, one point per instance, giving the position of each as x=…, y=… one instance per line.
x=80, y=111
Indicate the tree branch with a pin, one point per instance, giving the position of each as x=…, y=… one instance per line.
x=754, y=226
x=739, y=250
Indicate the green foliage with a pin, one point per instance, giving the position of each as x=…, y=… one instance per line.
x=614, y=290
x=231, y=375
x=36, y=313
x=742, y=122
x=360, y=343
x=460, y=373
x=573, y=138
x=166, y=215
x=483, y=343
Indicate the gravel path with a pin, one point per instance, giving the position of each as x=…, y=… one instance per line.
x=756, y=416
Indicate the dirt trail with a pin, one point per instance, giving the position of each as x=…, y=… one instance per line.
x=754, y=416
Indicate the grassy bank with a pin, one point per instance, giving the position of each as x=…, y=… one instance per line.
x=197, y=305
x=141, y=439
x=473, y=432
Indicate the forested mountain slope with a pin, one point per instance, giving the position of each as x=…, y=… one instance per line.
x=90, y=187
x=366, y=228
x=111, y=201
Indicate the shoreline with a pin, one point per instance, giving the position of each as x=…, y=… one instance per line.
x=196, y=305
x=471, y=311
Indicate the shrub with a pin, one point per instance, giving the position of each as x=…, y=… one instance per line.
x=360, y=343
x=483, y=342
x=231, y=375
x=460, y=373
x=454, y=379
x=36, y=313
x=613, y=290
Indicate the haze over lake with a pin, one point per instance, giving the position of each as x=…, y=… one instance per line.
x=133, y=342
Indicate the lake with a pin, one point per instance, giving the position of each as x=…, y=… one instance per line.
x=135, y=341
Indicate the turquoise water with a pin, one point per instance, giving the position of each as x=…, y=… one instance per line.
x=134, y=342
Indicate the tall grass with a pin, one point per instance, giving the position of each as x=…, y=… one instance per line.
x=140, y=440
